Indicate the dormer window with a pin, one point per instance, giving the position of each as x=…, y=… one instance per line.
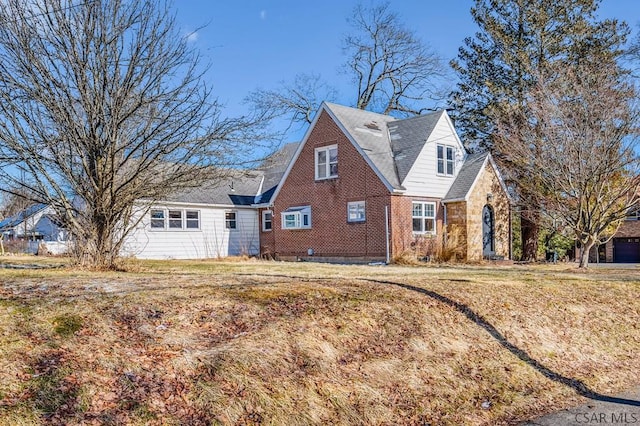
x=326, y=162
x=446, y=160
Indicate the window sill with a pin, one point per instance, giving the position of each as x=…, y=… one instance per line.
x=327, y=178
x=174, y=230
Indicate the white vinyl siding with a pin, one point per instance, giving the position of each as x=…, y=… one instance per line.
x=210, y=240
x=423, y=180
x=326, y=162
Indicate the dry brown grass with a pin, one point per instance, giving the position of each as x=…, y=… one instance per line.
x=200, y=342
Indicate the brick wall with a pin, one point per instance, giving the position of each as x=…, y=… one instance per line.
x=628, y=229
x=401, y=223
x=331, y=235
x=267, y=239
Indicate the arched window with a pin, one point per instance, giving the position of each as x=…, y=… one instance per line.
x=488, y=231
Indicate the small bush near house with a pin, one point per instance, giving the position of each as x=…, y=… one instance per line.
x=435, y=248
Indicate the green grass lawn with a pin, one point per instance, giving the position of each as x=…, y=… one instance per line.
x=250, y=342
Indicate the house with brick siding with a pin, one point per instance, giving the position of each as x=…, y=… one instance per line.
x=367, y=186
x=624, y=246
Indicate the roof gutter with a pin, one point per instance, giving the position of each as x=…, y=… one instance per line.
x=454, y=200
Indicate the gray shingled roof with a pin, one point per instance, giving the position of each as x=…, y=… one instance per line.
x=241, y=188
x=238, y=188
x=408, y=137
x=273, y=168
x=466, y=176
x=369, y=131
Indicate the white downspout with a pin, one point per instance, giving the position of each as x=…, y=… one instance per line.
x=386, y=224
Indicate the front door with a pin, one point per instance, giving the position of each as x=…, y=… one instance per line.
x=488, y=243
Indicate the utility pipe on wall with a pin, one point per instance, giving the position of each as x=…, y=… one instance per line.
x=386, y=224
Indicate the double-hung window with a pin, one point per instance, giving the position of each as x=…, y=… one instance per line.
x=326, y=162
x=267, y=220
x=296, y=218
x=157, y=219
x=175, y=219
x=446, y=160
x=193, y=219
x=356, y=211
x=424, y=218
x=230, y=220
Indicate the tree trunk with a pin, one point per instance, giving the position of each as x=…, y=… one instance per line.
x=530, y=230
x=584, y=256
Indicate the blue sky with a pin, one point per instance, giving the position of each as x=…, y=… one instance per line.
x=258, y=43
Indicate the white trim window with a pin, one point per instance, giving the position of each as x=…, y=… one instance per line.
x=192, y=218
x=446, y=160
x=174, y=219
x=231, y=220
x=296, y=218
x=356, y=211
x=424, y=218
x=267, y=220
x=326, y=162
x=158, y=219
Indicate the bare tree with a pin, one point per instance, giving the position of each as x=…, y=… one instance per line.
x=103, y=110
x=394, y=70
x=297, y=100
x=580, y=161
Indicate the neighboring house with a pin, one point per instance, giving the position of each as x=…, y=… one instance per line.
x=368, y=186
x=35, y=223
x=624, y=247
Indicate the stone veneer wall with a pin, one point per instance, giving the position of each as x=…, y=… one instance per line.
x=488, y=183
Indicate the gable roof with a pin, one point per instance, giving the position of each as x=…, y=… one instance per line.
x=408, y=137
x=390, y=146
x=468, y=176
x=21, y=216
x=369, y=133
